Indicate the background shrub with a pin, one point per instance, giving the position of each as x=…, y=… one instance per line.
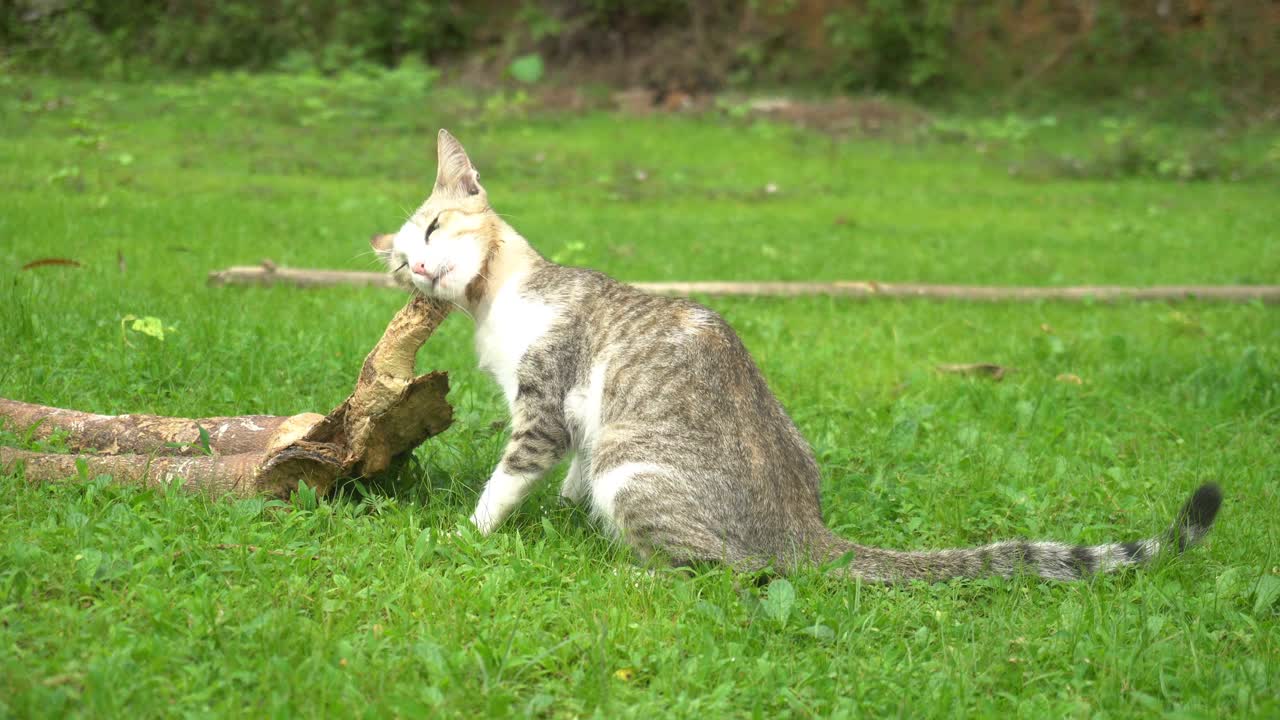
x=1094, y=48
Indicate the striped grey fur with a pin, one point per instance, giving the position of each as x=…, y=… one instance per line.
x=680, y=448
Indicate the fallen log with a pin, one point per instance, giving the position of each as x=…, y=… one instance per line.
x=269, y=274
x=156, y=434
x=275, y=473
x=389, y=413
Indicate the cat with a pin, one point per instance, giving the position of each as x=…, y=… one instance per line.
x=679, y=448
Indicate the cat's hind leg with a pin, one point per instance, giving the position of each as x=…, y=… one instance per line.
x=576, y=485
x=648, y=506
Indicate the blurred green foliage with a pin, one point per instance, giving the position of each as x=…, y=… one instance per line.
x=93, y=36
x=921, y=47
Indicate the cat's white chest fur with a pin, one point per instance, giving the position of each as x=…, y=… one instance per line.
x=511, y=326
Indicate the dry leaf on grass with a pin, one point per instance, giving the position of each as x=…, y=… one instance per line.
x=45, y=262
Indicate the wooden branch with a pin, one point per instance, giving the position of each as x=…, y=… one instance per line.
x=390, y=412
x=255, y=275
x=269, y=274
x=156, y=434
x=991, y=370
x=249, y=473
x=979, y=293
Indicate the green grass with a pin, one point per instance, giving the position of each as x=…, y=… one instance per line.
x=116, y=601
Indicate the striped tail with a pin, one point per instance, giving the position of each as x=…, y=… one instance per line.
x=1051, y=560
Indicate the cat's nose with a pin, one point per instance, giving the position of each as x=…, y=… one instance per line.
x=421, y=269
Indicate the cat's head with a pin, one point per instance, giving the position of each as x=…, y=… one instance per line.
x=445, y=247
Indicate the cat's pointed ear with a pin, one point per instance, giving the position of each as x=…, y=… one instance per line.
x=455, y=175
x=381, y=243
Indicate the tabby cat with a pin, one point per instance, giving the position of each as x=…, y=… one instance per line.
x=679, y=448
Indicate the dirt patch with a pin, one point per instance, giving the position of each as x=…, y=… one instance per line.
x=841, y=115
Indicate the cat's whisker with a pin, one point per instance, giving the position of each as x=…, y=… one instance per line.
x=464, y=310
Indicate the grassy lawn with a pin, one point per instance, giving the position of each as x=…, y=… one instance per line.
x=116, y=601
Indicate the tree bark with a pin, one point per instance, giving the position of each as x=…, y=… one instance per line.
x=156, y=434
x=249, y=473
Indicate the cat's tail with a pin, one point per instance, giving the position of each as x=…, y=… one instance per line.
x=1052, y=560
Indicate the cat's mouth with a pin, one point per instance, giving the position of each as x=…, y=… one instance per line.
x=428, y=281
x=398, y=269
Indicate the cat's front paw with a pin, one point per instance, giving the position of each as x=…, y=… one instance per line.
x=483, y=522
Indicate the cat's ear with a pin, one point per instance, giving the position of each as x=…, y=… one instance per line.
x=455, y=175
x=381, y=244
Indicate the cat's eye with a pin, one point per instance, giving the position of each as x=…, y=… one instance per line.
x=435, y=224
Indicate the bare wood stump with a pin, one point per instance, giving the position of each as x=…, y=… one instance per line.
x=391, y=411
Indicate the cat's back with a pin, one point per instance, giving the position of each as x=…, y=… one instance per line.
x=661, y=359
x=611, y=316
